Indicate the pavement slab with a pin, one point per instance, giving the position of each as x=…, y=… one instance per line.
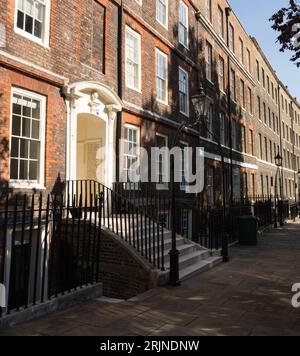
x=250, y=295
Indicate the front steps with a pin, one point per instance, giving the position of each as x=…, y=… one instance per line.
x=193, y=258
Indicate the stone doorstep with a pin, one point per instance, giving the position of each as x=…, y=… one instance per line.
x=60, y=303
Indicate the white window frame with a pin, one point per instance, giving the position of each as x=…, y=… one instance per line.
x=220, y=14
x=222, y=74
x=165, y=25
x=208, y=10
x=138, y=36
x=161, y=186
x=45, y=40
x=183, y=184
x=187, y=113
x=131, y=185
x=209, y=61
x=160, y=53
x=16, y=183
x=186, y=25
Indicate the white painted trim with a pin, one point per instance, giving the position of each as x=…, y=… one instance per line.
x=79, y=102
x=138, y=36
x=43, y=121
x=218, y=158
x=158, y=51
x=45, y=40
x=166, y=25
x=162, y=186
x=187, y=24
x=122, y=163
x=187, y=114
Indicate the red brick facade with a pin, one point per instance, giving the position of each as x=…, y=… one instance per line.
x=77, y=52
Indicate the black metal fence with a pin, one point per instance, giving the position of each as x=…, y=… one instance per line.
x=200, y=222
x=130, y=219
x=48, y=246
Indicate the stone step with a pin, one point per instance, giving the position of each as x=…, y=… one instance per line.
x=167, y=243
x=184, y=250
x=199, y=267
x=191, y=258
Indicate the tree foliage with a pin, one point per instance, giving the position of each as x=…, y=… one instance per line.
x=287, y=22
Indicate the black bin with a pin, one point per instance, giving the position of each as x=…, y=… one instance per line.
x=248, y=230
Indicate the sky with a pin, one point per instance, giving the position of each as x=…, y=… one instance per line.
x=254, y=16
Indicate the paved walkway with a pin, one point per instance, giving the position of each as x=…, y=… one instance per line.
x=251, y=295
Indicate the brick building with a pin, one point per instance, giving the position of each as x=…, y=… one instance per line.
x=77, y=76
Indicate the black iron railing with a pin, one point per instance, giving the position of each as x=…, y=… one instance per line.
x=128, y=215
x=46, y=247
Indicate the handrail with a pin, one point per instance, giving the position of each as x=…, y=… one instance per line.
x=134, y=224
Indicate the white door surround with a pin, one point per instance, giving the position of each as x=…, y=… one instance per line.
x=98, y=100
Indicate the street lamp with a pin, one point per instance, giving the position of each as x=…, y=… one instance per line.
x=278, y=162
x=200, y=103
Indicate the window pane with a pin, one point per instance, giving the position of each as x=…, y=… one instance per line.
x=17, y=109
x=26, y=127
x=23, y=169
x=33, y=170
x=16, y=126
x=14, y=169
x=36, y=109
x=14, y=147
x=26, y=106
x=34, y=150
x=24, y=148
x=38, y=11
x=37, y=29
x=28, y=24
x=29, y=6
x=20, y=20
x=35, y=129
x=21, y=4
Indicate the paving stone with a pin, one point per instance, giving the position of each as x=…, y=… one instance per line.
x=250, y=295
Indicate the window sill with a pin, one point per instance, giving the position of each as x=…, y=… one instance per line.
x=26, y=185
x=137, y=90
x=40, y=42
x=162, y=102
x=186, y=114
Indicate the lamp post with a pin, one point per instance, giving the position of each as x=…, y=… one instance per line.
x=200, y=103
x=278, y=162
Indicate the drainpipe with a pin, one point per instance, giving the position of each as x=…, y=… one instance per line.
x=120, y=87
x=228, y=12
